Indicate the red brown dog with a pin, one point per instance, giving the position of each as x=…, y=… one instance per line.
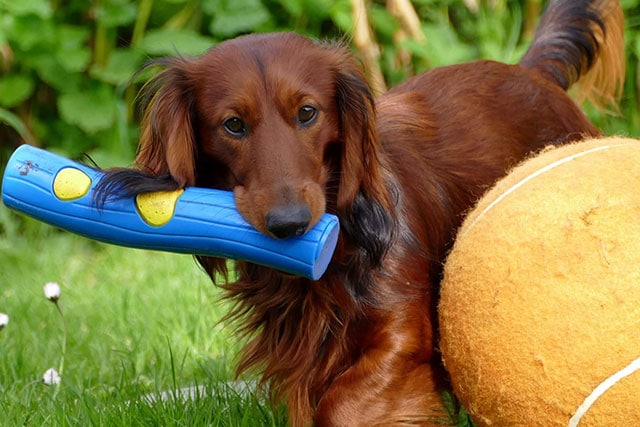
x=291, y=127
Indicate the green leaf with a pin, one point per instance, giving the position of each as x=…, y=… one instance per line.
x=67, y=137
x=383, y=21
x=14, y=89
x=75, y=60
x=92, y=111
x=293, y=7
x=18, y=125
x=172, y=42
x=116, y=13
x=232, y=17
x=318, y=9
x=51, y=72
x=443, y=46
x=121, y=66
x=72, y=36
x=40, y=8
x=27, y=32
x=342, y=16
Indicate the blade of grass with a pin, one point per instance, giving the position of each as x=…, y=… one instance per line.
x=16, y=124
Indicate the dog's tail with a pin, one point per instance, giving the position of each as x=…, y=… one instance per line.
x=581, y=41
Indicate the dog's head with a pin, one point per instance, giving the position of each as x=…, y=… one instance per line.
x=285, y=123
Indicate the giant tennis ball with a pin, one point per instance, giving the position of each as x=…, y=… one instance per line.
x=540, y=303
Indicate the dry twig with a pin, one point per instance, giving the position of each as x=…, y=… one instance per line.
x=365, y=43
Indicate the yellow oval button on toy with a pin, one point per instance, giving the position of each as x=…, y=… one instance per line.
x=71, y=184
x=157, y=208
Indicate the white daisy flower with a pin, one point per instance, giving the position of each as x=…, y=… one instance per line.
x=4, y=320
x=52, y=291
x=51, y=377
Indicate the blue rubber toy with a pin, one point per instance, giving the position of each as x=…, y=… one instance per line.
x=198, y=221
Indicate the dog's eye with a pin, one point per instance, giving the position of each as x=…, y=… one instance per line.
x=307, y=114
x=235, y=126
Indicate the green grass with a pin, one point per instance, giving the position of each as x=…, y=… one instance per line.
x=138, y=323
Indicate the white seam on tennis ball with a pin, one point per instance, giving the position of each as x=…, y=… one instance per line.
x=601, y=389
x=532, y=176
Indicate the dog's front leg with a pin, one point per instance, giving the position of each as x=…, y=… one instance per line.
x=395, y=382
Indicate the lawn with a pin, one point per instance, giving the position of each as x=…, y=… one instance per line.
x=144, y=345
x=139, y=323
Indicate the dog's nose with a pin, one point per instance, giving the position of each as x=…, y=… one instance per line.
x=288, y=221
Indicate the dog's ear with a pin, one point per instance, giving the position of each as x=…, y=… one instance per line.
x=363, y=200
x=360, y=169
x=167, y=139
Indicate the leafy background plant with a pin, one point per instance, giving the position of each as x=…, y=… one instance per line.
x=66, y=66
x=67, y=84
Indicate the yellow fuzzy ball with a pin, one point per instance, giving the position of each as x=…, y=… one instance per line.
x=540, y=302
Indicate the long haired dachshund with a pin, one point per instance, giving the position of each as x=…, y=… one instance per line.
x=291, y=127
